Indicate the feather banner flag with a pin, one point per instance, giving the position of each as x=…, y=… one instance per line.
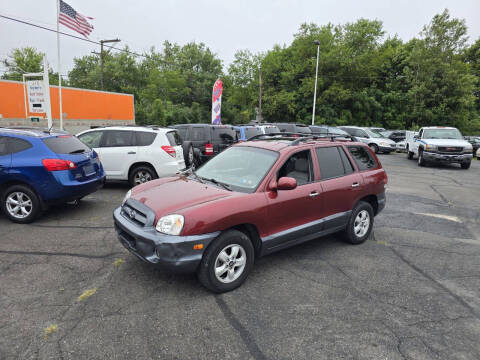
x=217, y=102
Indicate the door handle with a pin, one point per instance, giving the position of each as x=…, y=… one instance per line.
x=313, y=194
x=355, y=185
x=131, y=153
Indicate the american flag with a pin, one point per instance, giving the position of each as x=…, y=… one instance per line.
x=73, y=20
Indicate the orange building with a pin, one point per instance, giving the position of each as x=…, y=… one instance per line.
x=82, y=109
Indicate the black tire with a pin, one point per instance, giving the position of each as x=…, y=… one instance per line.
x=141, y=174
x=374, y=147
x=206, y=271
x=29, y=197
x=409, y=154
x=188, y=154
x=466, y=165
x=421, y=160
x=350, y=233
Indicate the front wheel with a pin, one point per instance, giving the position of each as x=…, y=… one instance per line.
x=421, y=159
x=466, y=165
x=360, y=224
x=227, y=262
x=20, y=204
x=374, y=148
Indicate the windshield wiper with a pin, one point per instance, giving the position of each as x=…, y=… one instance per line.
x=199, y=178
x=216, y=182
x=78, y=151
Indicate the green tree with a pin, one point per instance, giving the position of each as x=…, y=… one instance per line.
x=25, y=60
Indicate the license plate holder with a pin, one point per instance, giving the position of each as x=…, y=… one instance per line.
x=89, y=170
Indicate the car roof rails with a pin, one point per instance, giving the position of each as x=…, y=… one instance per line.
x=299, y=137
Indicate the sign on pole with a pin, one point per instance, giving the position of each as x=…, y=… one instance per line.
x=36, y=96
x=217, y=102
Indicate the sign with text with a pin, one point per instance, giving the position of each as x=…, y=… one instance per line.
x=36, y=96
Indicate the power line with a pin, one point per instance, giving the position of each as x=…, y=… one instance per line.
x=72, y=36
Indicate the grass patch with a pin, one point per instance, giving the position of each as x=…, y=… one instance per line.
x=118, y=262
x=87, y=293
x=50, y=330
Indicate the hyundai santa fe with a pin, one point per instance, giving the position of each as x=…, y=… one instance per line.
x=254, y=198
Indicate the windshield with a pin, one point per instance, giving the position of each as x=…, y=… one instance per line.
x=442, y=134
x=242, y=168
x=373, y=133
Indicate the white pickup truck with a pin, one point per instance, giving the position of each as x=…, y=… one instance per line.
x=439, y=144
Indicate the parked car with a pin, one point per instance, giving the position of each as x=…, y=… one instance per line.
x=39, y=167
x=372, y=138
x=475, y=141
x=205, y=140
x=328, y=130
x=254, y=198
x=439, y=144
x=245, y=132
x=293, y=128
x=136, y=153
x=269, y=129
x=402, y=146
x=397, y=135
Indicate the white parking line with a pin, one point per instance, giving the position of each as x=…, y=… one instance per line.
x=440, y=216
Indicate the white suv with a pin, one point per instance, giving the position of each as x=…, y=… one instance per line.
x=136, y=153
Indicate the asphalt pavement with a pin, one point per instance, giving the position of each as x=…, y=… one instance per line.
x=69, y=290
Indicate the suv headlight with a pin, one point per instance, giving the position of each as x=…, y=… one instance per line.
x=127, y=196
x=170, y=224
x=384, y=144
x=468, y=149
x=429, y=147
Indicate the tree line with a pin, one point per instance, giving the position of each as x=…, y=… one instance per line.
x=365, y=78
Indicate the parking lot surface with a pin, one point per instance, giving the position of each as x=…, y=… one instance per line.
x=69, y=290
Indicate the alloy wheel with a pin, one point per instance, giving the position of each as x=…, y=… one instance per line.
x=142, y=176
x=362, y=223
x=230, y=263
x=19, y=205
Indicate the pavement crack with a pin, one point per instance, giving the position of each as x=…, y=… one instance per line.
x=445, y=200
x=440, y=285
x=246, y=336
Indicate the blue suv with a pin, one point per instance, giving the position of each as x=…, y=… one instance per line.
x=245, y=132
x=40, y=167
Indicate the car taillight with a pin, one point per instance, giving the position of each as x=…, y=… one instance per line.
x=208, y=149
x=58, y=164
x=169, y=150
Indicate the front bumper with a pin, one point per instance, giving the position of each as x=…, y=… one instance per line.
x=171, y=253
x=448, y=158
x=387, y=149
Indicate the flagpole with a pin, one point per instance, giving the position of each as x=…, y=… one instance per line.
x=59, y=67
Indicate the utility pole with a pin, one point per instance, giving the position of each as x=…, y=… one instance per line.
x=101, y=57
x=259, y=94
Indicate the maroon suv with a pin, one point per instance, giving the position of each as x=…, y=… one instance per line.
x=252, y=199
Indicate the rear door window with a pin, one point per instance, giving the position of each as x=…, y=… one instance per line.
x=224, y=135
x=145, y=138
x=330, y=162
x=3, y=146
x=92, y=138
x=362, y=158
x=197, y=133
x=17, y=145
x=173, y=138
x=66, y=144
x=118, y=138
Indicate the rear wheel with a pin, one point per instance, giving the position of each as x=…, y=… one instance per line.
x=360, y=224
x=141, y=174
x=20, y=204
x=466, y=165
x=227, y=262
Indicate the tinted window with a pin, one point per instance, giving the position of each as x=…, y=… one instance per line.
x=330, y=161
x=197, y=134
x=91, y=139
x=346, y=162
x=173, y=138
x=225, y=135
x=114, y=138
x=298, y=166
x=17, y=145
x=65, y=144
x=145, y=138
x=362, y=158
x=271, y=130
x=182, y=132
x=303, y=129
x=285, y=127
x=251, y=132
x=3, y=146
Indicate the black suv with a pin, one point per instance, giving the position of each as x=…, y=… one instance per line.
x=203, y=141
x=293, y=128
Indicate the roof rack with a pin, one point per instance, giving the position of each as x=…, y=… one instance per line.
x=300, y=137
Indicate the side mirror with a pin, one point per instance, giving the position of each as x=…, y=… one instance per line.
x=286, y=183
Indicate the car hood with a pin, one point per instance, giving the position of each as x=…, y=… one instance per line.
x=383, y=140
x=175, y=194
x=447, y=142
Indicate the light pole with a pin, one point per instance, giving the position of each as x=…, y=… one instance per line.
x=316, y=42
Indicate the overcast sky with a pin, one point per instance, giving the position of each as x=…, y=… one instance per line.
x=224, y=26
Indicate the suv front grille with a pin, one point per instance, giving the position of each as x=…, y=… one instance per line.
x=450, y=149
x=138, y=213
